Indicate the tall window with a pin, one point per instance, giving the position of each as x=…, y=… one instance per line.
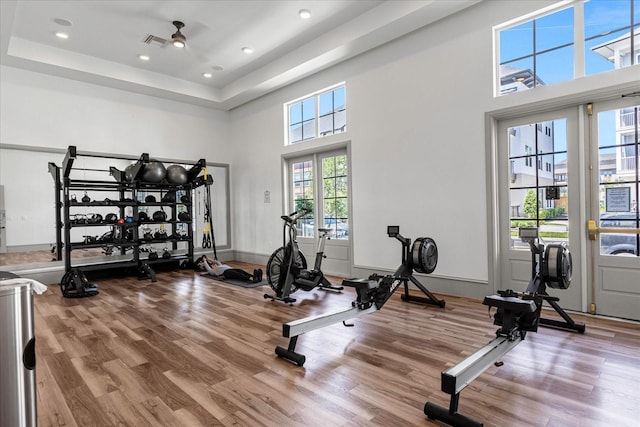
x=335, y=195
x=538, y=196
x=619, y=158
x=318, y=115
x=302, y=183
x=543, y=50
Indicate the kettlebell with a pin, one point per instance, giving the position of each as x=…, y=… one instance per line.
x=86, y=198
x=185, y=199
x=142, y=217
x=184, y=216
x=150, y=198
x=166, y=254
x=153, y=255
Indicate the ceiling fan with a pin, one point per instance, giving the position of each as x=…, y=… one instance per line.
x=178, y=39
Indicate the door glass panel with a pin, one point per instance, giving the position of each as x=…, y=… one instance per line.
x=618, y=145
x=302, y=182
x=538, y=183
x=335, y=206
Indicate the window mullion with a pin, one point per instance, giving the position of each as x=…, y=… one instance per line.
x=578, y=39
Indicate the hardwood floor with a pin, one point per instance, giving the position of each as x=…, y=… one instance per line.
x=190, y=351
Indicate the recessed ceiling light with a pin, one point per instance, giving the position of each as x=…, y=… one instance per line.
x=144, y=57
x=62, y=35
x=217, y=68
x=247, y=49
x=207, y=75
x=63, y=22
x=304, y=13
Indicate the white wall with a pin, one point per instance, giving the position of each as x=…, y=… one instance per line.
x=416, y=124
x=46, y=111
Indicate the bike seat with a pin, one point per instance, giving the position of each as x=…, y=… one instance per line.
x=325, y=230
x=517, y=305
x=360, y=283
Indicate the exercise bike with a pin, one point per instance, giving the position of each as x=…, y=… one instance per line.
x=287, y=267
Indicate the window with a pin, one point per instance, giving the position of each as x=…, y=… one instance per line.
x=335, y=187
x=543, y=50
x=318, y=115
x=618, y=149
x=302, y=183
x=328, y=174
x=528, y=161
x=529, y=203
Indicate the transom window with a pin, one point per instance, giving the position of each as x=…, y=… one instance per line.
x=544, y=50
x=317, y=115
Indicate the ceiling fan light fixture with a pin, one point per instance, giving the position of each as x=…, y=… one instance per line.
x=178, y=39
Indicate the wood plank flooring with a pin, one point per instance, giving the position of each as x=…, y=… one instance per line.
x=191, y=351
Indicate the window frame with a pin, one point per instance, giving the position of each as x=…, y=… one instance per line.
x=578, y=43
x=316, y=97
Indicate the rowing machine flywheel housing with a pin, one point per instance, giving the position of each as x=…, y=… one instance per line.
x=557, y=266
x=424, y=255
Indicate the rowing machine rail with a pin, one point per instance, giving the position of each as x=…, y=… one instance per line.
x=516, y=314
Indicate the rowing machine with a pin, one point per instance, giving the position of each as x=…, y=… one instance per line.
x=550, y=267
x=372, y=293
x=516, y=314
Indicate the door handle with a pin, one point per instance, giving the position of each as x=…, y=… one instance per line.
x=593, y=230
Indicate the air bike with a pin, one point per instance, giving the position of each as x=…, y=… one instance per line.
x=287, y=267
x=372, y=293
x=516, y=314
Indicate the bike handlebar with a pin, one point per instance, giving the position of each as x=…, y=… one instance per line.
x=296, y=215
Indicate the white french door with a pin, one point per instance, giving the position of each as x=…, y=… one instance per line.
x=320, y=182
x=614, y=190
x=538, y=164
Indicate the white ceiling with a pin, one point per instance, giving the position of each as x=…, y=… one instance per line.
x=106, y=37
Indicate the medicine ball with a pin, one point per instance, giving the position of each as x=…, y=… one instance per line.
x=159, y=216
x=128, y=172
x=176, y=174
x=111, y=218
x=184, y=216
x=185, y=199
x=129, y=219
x=150, y=198
x=169, y=197
x=120, y=221
x=142, y=217
x=154, y=171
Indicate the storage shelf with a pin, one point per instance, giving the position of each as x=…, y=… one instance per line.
x=124, y=205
